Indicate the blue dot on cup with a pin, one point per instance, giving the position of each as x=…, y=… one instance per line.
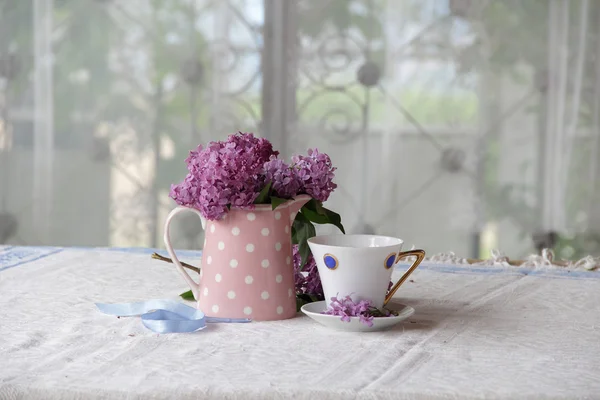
x=331, y=261
x=389, y=261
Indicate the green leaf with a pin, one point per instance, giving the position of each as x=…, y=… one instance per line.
x=276, y=202
x=299, y=304
x=335, y=219
x=302, y=230
x=314, y=205
x=263, y=195
x=315, y=217
x=302, y=299
x=187, y=295
x=315, y=212
x=318, y=207
x=304, y=251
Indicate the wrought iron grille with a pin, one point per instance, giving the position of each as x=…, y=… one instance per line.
x=455, y=124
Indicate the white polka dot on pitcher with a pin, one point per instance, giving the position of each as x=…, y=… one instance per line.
x=277, y=215
x=206, y=291
x=218, y=277
x=208, y=259
x=249, y=279
x=235, y=231
x=265, y=263
x=251, y=216
x=215, y=308
x=290, y=292
x=231, y=294
x=212, y=228
x=279, y=310
x=278, y=246
x=264, y=231
x=264, y=295
x=249, y=247
x=247, y=310
x=278, y=278
x=287, y=229
x=288, y=260
x=233, y=263
x=221, y=245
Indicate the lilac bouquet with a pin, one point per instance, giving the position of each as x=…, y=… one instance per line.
x=224, y=174
x=245, y=170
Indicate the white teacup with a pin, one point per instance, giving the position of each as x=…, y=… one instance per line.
x=360, y=266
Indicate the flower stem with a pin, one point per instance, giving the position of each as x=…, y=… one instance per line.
x=157, y=256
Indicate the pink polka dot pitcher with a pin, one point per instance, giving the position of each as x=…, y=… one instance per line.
x=247, y=269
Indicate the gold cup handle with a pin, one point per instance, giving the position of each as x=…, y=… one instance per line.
x=420, y=254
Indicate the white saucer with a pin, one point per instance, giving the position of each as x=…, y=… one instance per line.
x=314, y=310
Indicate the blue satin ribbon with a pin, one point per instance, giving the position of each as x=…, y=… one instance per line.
x=165, y=316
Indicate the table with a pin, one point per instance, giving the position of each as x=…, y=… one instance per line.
x=478, y=332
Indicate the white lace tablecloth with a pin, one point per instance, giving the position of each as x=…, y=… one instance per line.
x=478, y=332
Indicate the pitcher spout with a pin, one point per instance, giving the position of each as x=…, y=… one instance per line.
x=297, y=203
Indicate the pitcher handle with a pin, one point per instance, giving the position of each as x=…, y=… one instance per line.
x=192, y=284
x=420, y=254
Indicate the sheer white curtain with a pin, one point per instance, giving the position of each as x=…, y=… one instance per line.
x=457, y=125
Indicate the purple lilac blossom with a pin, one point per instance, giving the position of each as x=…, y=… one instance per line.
x=224, y=173
x=284, y=180
x=232, y=173
x=307, y=280
x=346, y=309
x=315, y=173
